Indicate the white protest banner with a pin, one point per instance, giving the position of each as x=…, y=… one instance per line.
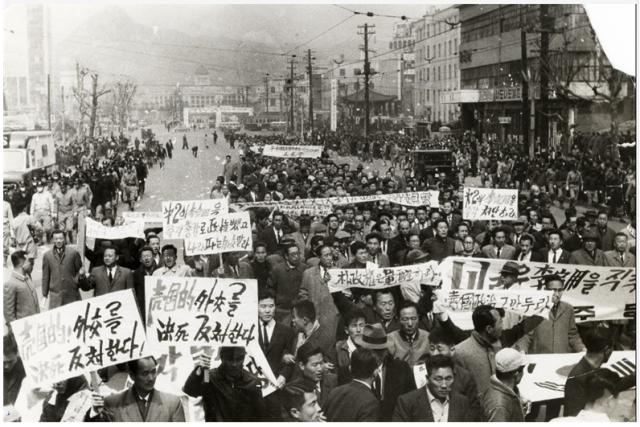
x=420, y=375
x=223, y=233
x=80, y=337
x=99, y=231
x=380, y=278
x=150, y=219
x=79, y=405
x=174, y=212
x=596, y=293
x=418, y=198
x=197, y=227
x=546, y=374
x=526, y=303
x=201, y=311
x=488, y=203
x=293, y=151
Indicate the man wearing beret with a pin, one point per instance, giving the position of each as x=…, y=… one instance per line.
x=232, y=393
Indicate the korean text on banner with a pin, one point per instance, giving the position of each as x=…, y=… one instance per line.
x=174, y=212
x=380, y=278
x=80, y=337
x=203, y=311
x=223, y=233
x=487, y=204
x=99, y=231
x=596, y=293
x=293, y=151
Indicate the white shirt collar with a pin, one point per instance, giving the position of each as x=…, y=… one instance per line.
x=350, y=346
x=360, y=381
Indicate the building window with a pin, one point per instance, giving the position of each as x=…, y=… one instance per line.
x=455, y=71
x=272, y=102
x=449, y=47
x=439, y=75
x=427, y=74
x=455, y=46
x=390, y=45
x=428, y=30
x=439, y=51
x=428, y=95
x=273, y=89
x=449, y=71
x=342, y=72
x=428, y=54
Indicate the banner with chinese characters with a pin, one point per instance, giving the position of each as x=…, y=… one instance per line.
x=488, y=203
x=293, y=151
x=175, y=212
x=596, y=293
x=222, y=233
x=150, y=219
x=201, y=311
x=80, y=337
x=96, y=230
x=427, y=273
x=525, y=303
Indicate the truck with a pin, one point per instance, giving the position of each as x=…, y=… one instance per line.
x=432, y=165
x=27, y=155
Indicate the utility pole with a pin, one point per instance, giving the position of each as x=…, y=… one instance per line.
x=49, y=100
x=63, y=135
x=310, y=93
x=402, y=83
x=544, y=76
x=525, y=92
x=367, y=72
x=266, y=88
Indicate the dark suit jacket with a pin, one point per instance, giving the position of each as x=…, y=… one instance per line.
x=122, y=407
x=281, y=342
x=398, y=380
x=269, y=237
x=59, y=277
x=327, y=385
x=535, y=256
x=244, y=271
x=572, y=244
x=352, y=402
x=138, y=287
x=99, y=280
x=564, y=257
x=426, y=233
x=415, y=407
x=393, y=247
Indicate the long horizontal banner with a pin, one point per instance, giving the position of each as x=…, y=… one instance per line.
x=292, y=151
x=488, y=204
x=150, y=219
x=203, y=311
x=174, y=212
x=596, y=293
x=96, y=230
x=326, y=205
x=223, y=233
x=525, y=303
x=379, y=278
x=80, y=337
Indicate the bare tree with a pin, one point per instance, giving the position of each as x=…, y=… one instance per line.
x=122, y=94
x=82, y=97
x=94, y=102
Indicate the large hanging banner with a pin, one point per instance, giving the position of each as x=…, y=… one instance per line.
x=174, y=212
x=488, y=204
x=201, y=311
x=96, y=230
x=596, y=293
x=80, y=337
x=379, y=278
x=150, y=219
x=293, y=151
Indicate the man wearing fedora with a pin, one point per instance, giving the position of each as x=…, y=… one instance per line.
x=395, y=377
x=357, y=401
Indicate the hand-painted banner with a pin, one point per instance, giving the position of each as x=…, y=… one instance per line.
x=427, y=273
x=99, y=231
x=80, y=337
x=293, y=151
x=526, y=303
x=174, y=212
x=326, y=205
x=546, y=375
x=596, y=293
x=203, y=311
x=487, y=204
x=223, y=233
x=151, y=219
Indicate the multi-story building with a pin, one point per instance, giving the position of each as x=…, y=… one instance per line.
x=396, y=74
x=39, y=52
x=491, y=69
x=436, y=65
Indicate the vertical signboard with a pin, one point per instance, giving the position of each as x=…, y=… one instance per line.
x=334, y=104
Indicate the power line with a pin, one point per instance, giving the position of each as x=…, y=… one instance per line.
x=321, y=34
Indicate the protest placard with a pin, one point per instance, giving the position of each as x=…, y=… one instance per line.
x=99, y=231
x=80, y=337
x=222, y=233
x=292, y=151
x=150, y=219
x=380, y=278
x=201, y=311
x=596, y=293
x=418, y=198
x=173, y=212
x=488, y=203
x=525, y=303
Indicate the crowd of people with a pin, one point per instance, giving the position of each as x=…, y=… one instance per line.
x=350, y=355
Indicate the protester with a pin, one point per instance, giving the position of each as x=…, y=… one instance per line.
x=61, y=271
x=300, y=402
x=501, y=401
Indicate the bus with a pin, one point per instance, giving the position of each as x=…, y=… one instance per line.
x=258, y=123
x=27, y=155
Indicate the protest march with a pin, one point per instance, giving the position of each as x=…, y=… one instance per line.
x=392, y=256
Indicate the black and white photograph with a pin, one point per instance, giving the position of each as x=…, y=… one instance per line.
x=319, y=212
